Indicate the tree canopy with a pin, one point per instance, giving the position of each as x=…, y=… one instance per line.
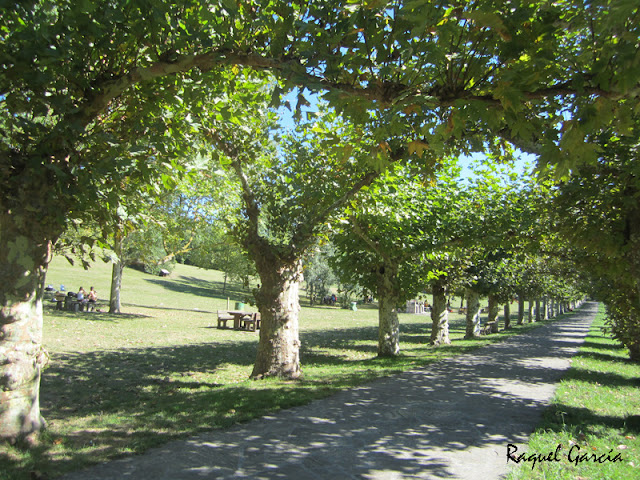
x=419, y=79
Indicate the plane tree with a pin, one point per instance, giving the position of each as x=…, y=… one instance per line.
x=504, y=214
x=395, y=240
x=431, y=71
x=597, y=211
x=291, y=186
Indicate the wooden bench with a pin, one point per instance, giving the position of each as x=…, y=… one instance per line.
x=251, y=323
x=93, y=306
x=223, y=318
x=489, y=327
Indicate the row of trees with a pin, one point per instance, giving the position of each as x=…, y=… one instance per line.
x=101, y=98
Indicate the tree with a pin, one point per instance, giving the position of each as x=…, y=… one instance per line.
x=597, y=210
x=371, y=252
x=389, y=242
x=318, y=273
x=432, y=72
x=501, y=231
x=288, y=195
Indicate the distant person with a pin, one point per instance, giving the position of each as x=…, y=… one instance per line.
x=92, y=296
x=81, y=297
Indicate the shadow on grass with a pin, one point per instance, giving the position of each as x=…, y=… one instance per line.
x=576, y=420
x=606, y=379
x=604, y=357
x=118, y=402
x=166, y=394
x=196, y=310
x=93, y=316
x=202, y=288
x=126, y=401
x=605, y=344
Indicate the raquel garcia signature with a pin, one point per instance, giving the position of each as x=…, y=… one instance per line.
x=573, y=456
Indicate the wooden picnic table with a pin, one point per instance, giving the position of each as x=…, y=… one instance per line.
x=241, y=320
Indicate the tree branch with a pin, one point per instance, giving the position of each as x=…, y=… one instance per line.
x=306, y=230
x=375, y=246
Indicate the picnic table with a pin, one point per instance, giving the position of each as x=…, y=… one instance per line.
x=64, y=301
x=241, y=320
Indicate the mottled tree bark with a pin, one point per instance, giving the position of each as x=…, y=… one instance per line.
x=278, y=303
x=538, y=317
x=520, y=309
x=116, y=274
x=24, y=257
x=473, y=314
x=439, y=315
x=388, y=324
x=116, y=286
x=545, y=308
x=493, y=314
x=507, y=315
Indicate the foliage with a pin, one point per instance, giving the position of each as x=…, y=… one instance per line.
x=82, y=82
x=318, y=273
x=401, y=220
x=598, y=212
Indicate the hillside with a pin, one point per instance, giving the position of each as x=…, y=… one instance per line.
x=192, y=287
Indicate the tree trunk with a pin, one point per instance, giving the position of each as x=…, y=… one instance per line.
x=388, y=324
x=493, y=313
x=23, y=265
x=507, y=315
x=278, y=302
x=116, y=274
x=538, y=317
x=116, y=285
x=530, y=312
x=439, y=316
x=520, y=309
x=545, y=308
x=473, y=314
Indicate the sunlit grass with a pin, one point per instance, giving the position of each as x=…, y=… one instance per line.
x=120, y=384
x=590, y=412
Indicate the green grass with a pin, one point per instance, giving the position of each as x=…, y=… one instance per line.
x=589, y=412
x=120, y=384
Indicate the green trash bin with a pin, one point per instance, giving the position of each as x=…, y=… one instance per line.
x=240, y=306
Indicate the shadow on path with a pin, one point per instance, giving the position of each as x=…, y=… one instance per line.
x=453, y=419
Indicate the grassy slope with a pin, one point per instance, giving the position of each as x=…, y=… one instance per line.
x=120, y=384
x=589, y=413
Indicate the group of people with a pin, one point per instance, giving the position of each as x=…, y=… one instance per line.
x=83, y=297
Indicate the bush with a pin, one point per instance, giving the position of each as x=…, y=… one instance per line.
x=623, y=322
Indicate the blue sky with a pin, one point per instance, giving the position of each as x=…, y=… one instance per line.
x=286, y=116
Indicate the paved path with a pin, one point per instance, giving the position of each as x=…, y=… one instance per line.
x=453, y=419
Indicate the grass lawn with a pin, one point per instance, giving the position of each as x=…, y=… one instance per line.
x=589, y=416
x=120, y=384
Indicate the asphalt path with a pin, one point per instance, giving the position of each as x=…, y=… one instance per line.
x=452, y=419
